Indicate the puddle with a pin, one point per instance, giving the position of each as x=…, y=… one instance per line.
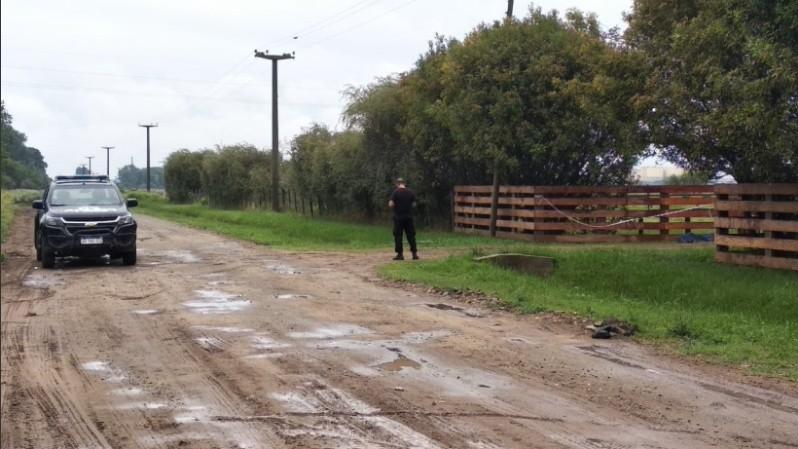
x=145, y=312
x=291, y=296
x=128, y=391
x=265, y=343
x=421, y=337
x=265, y=355
x=210, y=344
x=283, y=269
x=216, y=302
x=141, y=406
x=104, y=371
x=42, y=280
x=339, y=330
x=473, y=313
x=183, y=256
x=440, y=306
x=400, y=363
x=225, y=329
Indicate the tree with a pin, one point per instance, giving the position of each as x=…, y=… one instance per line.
x=21, y=166
x=722, y=91
x=549, y=99
x=184, y=176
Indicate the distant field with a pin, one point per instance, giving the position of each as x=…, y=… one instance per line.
x=677, y=295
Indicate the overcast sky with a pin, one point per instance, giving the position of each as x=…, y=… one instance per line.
x=78, y=75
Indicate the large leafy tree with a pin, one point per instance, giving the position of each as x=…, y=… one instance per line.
x=722, y=86
x=550, y=99
x=21, y=166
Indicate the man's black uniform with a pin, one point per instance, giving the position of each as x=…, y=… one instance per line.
x=403, y=199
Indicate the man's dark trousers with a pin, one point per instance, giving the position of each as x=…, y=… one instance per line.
x=405, y=225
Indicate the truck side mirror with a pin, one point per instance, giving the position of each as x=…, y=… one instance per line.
x=38, y=204
x=132, y=202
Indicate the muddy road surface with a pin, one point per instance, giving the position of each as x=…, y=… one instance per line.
x=213, y=343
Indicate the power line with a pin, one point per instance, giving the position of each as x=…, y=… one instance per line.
x=354, y=27
x=352, y=9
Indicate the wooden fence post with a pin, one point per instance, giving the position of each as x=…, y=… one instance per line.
x=494, y=199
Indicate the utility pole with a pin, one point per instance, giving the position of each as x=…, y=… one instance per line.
x=275, y=133
x=494, y=200
x=148, y=126
x=108, y=161
x=90, y=158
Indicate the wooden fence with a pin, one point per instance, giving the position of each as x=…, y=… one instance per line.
x=586, y=214
x=757, y=225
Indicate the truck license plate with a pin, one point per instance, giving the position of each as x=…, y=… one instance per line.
x=91, y=241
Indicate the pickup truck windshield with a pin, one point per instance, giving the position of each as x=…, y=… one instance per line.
x=84, y=195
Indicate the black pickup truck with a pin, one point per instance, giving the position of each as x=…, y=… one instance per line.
x=84, y=216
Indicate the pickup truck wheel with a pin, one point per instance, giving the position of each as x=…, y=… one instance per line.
x=48, y=257
x=129, y=258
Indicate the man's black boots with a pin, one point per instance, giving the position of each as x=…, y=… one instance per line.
x=399, y=257
x=415, y=256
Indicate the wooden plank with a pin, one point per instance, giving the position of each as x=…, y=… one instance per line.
x=473, y=189
x=756, y=189
x=571, y=227
x=757, y=225
x=756, y=242
x=781, y=263
x=788, y=207
x=472, y=221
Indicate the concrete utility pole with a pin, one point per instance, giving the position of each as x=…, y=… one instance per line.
x=108, y=160
x=275, y=133
x=494, y=200
x=90, y=158
x=148, y=126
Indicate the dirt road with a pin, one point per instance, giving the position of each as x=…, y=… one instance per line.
x=212, y=343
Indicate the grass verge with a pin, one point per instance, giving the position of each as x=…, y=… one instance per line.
x=288, y=230
x=681, y=298
x=6, y=215
x=677, y=296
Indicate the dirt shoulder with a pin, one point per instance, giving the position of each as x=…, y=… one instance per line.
x=210, y=342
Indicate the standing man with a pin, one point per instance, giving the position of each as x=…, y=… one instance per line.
x=402, y=202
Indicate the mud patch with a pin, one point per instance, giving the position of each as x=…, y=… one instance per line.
x=209, y=302
x=399, y=364
x=283, y=269
x=266, y=343
x=181, y=256
x=40, y=279
x=336, y=331
x=210, y=344
x=473, y=313
x=346, y=421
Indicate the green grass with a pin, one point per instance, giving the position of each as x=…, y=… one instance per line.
x=6, y=216
x=676, y=295
x=679, y=297
x=288, y=230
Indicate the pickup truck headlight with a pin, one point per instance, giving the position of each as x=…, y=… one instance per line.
x=126, y=220
x=55, y=222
